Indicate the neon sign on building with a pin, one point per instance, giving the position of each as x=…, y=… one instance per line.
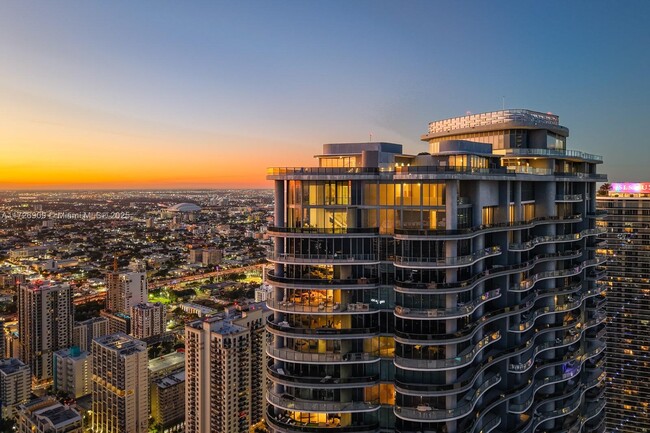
x=643, y=187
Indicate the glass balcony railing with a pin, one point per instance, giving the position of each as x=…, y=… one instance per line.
x=309, y=282
x=323, y=258
x=317, y=307
x=287, y=328
x=324, y=380
x=285, y=423
x=427, y=413
x=461, y=310
x=466, y=357
x=488, y=227
x=289, y=355
x=324, y=231
x=529, y=282
x=489, y=273
x=290, y=402
x=554, y=239
x=433, y=262
x=538, y=384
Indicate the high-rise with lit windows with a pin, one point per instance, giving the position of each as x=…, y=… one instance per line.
x=455, y=290
x=45, y=324
x=120, y=385
x=625, y=213
x=224, y=365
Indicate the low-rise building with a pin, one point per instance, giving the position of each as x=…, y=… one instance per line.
x=198, y=309
x=46, y=415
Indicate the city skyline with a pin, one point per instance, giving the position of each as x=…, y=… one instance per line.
x=99, y=96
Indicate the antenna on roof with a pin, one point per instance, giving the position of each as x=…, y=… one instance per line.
x=503, y=102
x=371, y=137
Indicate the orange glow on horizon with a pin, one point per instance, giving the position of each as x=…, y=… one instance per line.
x=84, y=149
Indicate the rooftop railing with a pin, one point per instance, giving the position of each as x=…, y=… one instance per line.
x=549, y=153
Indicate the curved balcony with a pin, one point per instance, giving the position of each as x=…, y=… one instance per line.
x=537, y=385
x=291, y=403
x=471, y=283
x=464, y=334
x=599, y=318
x=447, y=313
x=558, y=291
x=557, y=413
x=596, y=275
x=429, y=234
x=468, y=378
x=597, y=214
x=310, y=283
x=286, y=330
x=449, y=262
x=593, y=409
x=522, y=367
x=322, y=308
x=331, y=259
x=290, y=355
x=425, y=413
x=285, y=424
x=595, y=379
x=529, y=282
x=518, y=408
x=347, y=232
x=540, y=240
x=534, y=420
x=465, y=358
x=492, y=424
x=572, y=305
x=279, y=375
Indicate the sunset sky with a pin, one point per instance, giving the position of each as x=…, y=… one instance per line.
x=194, y=94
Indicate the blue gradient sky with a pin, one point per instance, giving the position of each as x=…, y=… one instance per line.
x=154, y=93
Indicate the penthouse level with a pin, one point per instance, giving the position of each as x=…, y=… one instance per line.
x=445, y=283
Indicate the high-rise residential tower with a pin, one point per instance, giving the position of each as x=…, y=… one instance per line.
x=45, y=318
x=120, y=388
x=224, y=365
x=148, y=320
x=625, y=210
x=451, y=291
x=124, y=290
x=84, y=332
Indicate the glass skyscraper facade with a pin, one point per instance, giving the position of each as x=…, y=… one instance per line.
x=456, y=290
x=625, y=214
